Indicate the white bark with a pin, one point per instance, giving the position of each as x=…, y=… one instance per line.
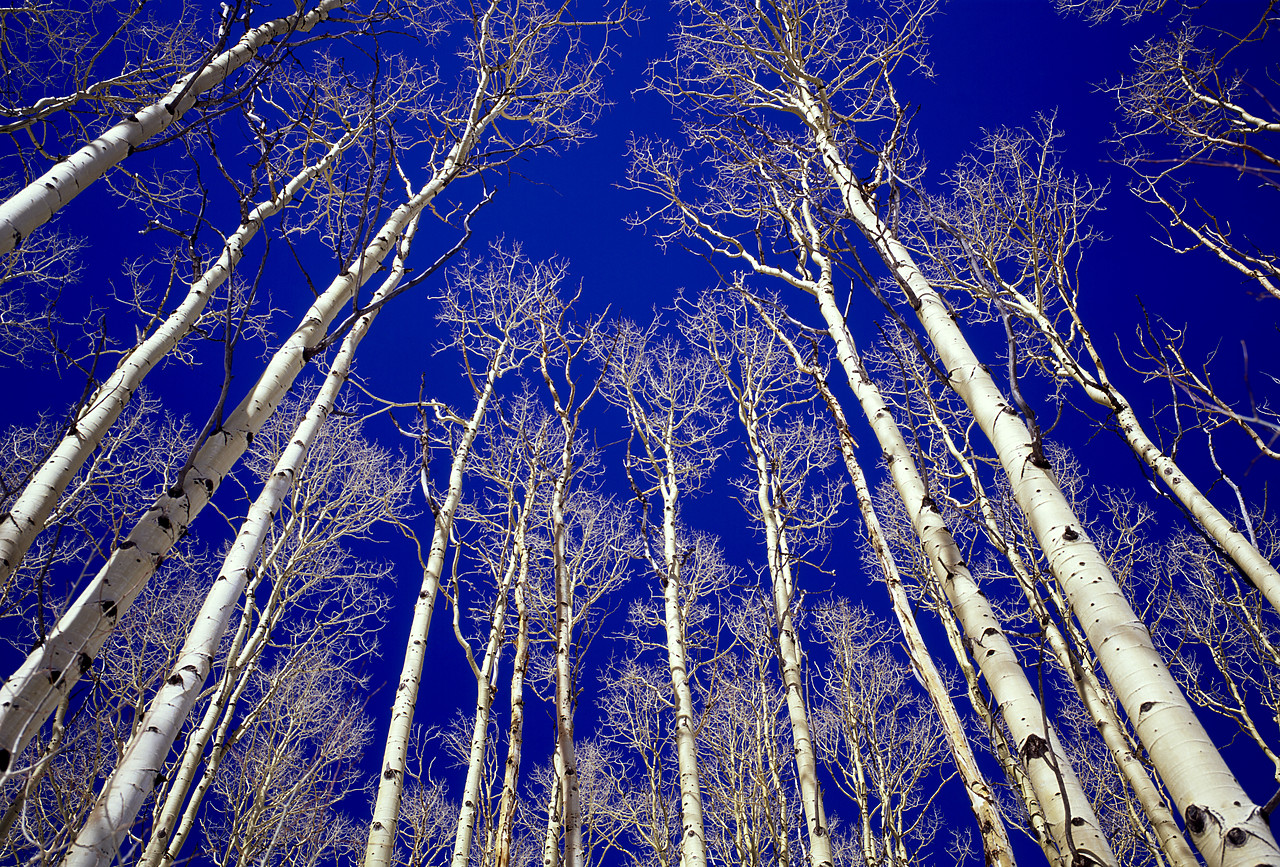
x=1072, y=822
x=27, y=516
x=29, y=695
x=1224, y=822
x=1092, y=694
x=380, y=847
x=995, y=838
x=693, y=848
x=486, y=685
x=144, y=757
x=515, y=738
x=35, y=204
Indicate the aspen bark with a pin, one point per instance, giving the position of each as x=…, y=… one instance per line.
x=29, y=695
x=35, y=204
x=144, y=757
x=380, y=847
x=1074, y=827
x=693, y=850
x=1224, y=822
x=486, y=685
x=1092, y=694
x=995, y=838
x=515, y=737
x=783, y=589
x=27, y=516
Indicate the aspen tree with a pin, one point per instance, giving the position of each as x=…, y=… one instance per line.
x=1010, y=235
x=990, y=823
x=493, y=312
x=527, y=434
x=509, y=569
x=671, y=406
x=143, y=759
x=538, y=104
x=1066, y=645
x=29, y=513
x=877, y=737
x=349, y=486
x=788, y=201
x=779, y=60
x=562, y=347
x=37, y=202
x=784, y=451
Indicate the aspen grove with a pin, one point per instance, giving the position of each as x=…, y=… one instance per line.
x=718, y=432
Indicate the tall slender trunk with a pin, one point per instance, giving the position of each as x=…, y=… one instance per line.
x=788, y=645
x=380, y=847
x=515, y=737
x=570, y=795
x=693, y=848
x=30, y=694
x=27, y=516
x=1072, y=822
x=144, y=757
x=995, y=838
x=1094, y=697
x=486, y=685
x=1225, y=824
x=37, y=202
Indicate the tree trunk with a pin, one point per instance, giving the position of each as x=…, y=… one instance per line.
x=144, y=758
x=1225, y=824
x=35, y=204
x=27, y=515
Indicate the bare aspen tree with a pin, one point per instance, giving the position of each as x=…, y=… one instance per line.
x=789, y=200
x=1004, y=527
x=143, y=759
x=832, y=72
x=28, y=514
x=785, y=454
x=538, y=105
x=509, y=568
x=1010, y=236
x=39, y=200
x=493, y=311
x=638, y=697
x=569, y=390
x=525, y=432
x=878, y=739
x=669, y=395
x=349, y=486
x=990, y=823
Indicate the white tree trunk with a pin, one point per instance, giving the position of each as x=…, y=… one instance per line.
x=1072, y=822
x=515, y=738
x=788, y=646
x=1092, y=694
x=35, y=204
x=693, y=847
x=28, y=697
x=486, y=686
x=380, y=847
x=1224, y=822
x=27, y=515
x=995, y=838
x=144, y=758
